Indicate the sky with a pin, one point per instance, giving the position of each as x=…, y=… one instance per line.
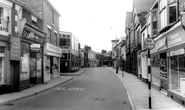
x=94, y=22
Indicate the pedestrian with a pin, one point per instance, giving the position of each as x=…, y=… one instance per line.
x=123, y=69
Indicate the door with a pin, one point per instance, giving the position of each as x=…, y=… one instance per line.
x=14, y=69
x=163, y=72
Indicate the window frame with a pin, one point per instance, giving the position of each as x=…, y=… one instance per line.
x=8, y=20
x=170, y=5
x=48, y=36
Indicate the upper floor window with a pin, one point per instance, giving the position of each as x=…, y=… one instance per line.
x=34, y=20
x=49, y=35
x=55, y=39
x=64, y=42
x=154, y=22
x=4, y=20
x=163, y=13
x=172, y=11
x=52, y=16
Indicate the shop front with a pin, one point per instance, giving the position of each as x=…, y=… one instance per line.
x=31, y=61
x=159, y=65
x=176, y=65
x=168, y=63
x=3, y=67
x=52, y=61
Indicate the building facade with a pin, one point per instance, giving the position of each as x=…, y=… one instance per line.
x=6, y=33
x=70, y=52
x=164, y=25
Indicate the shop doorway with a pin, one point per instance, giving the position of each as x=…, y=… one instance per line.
x=163, y=72
x=64, y=66
x=35, y=68
x=14, y=65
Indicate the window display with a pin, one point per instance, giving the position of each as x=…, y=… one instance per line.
x=155, y=70
x=1, y=71
x=1, y=64
x=24, y=75
x=177, y=71
x=39, y=60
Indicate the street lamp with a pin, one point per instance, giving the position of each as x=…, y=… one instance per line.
x=116, y=50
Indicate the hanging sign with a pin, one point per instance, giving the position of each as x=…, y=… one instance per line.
x=149, y=43
x=35, y=47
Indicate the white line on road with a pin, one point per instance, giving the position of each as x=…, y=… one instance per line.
x=70, y=89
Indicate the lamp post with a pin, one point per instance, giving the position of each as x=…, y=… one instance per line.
x=116, y=50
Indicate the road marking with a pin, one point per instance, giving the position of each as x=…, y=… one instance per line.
x=70, y=89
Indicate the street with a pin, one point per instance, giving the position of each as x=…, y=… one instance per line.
x=95, y=89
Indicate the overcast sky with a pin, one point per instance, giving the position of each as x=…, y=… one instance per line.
x=91, y=20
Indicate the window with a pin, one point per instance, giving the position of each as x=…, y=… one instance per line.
x=1, y=65
x=172, y=13
x=64, y=42
x=34, y=23
x=162, y=13
x=52, y=17
x=63, y=35
x=4, y=20
x=55, y=39
x=154, y=23
x=34, y=20
x=49, y=35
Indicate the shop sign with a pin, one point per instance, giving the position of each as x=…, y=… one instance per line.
x=161, y=43
x=30, y=36
x=35, y=47
x=65, y=50
x=54, y=49
x=176, y=39
x=177, y=52
x=74, y=52
x=15, y=48
x=149, y=43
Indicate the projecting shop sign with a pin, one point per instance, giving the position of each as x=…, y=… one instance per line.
x=149, y=43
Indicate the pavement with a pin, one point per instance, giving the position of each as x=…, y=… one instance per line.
x=137, y=92
x=11, y=97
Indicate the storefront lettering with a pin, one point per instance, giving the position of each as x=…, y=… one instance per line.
x=174, y=39
x=161, y=43
x=177, y=52
x=32, y=37
x=54, y=49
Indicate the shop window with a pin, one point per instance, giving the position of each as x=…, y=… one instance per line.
x=1, y=65
x=177, y=73
x=24, y=75
x=4, y=20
